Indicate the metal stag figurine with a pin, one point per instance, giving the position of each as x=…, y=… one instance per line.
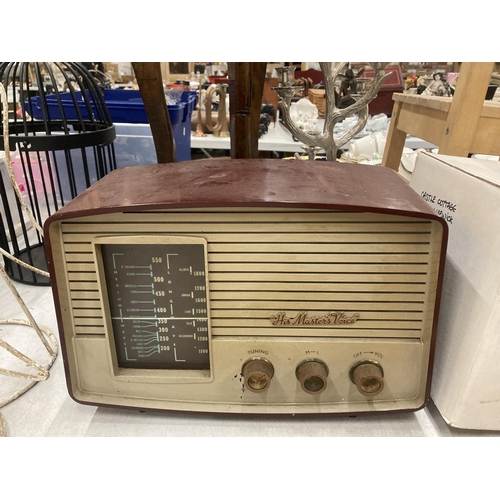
x=315, y=141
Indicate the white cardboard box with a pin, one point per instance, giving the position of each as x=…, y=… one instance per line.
x=466, y=380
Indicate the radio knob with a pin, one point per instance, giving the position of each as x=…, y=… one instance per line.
x=312, y=376
x=257, y=374
x=368, y=378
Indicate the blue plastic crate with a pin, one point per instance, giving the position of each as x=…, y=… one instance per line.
x=182, y=132
x=134, y=144
x=124, y=106
x=190, y=98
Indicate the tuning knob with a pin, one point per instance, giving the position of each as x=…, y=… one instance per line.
x=312, y=376
x=257, y=374
x=368, y=377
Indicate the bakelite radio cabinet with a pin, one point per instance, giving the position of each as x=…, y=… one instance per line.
x=248, y=287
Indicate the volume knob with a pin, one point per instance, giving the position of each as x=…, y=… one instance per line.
x=368, y=378
x=257, y=374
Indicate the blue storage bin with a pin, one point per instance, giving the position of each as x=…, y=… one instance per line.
x=190, y=98
x=182, y=132
x=126, y=106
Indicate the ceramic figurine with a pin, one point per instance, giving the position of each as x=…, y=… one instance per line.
x=436, y=87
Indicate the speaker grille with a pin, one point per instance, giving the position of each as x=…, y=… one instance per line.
x=263, y=262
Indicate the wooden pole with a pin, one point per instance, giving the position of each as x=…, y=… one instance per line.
x=246, y=84
x=150, y=82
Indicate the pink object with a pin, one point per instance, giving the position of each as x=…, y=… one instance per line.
x=40, y=174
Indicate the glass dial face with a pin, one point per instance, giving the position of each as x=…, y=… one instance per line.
x=158, y=302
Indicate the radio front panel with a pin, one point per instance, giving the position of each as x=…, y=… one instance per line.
x=255, y=310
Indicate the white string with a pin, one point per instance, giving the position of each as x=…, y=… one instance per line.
x=44, y=334
x=24, y=264
x=20, y=197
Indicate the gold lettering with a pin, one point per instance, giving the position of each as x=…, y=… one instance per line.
x=258, y=351
x=302, y=319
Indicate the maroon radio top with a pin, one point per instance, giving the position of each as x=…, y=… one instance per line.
x=250, y=182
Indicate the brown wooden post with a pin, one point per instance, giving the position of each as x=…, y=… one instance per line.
x=246, y=84
x=150, y=82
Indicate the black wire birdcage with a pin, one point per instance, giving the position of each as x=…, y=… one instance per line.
x=61, y=142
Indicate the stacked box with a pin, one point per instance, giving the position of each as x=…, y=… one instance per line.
x=466, y=193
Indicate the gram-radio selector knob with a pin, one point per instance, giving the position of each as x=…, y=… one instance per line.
x=312, y=376
x=257, y=374
x=368, y=377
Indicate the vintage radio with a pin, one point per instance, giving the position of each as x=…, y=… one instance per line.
x=249, y=287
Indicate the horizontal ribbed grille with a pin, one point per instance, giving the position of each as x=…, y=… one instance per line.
x=265, y=262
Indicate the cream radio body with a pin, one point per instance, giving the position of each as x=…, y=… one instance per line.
x=248, y=286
